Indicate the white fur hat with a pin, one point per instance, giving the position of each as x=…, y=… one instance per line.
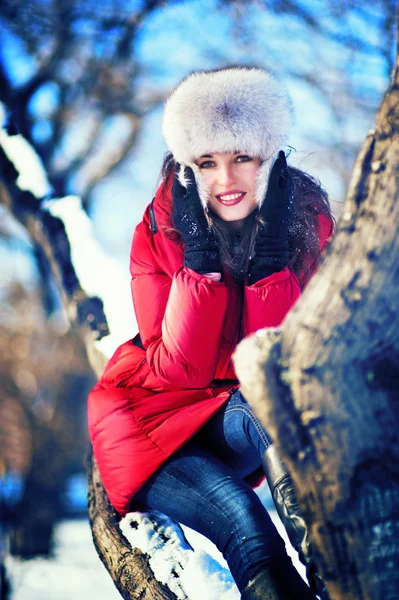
x=235, y=109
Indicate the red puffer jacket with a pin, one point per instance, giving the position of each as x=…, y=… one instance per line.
x=150, y=400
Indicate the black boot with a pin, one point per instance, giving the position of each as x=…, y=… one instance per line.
x=286, y=502
x=278, y=580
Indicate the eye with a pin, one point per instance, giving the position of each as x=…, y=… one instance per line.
x=244, y=158
x=207, y=164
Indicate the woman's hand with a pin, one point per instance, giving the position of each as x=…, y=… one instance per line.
x=201, y=248
x=276, y=213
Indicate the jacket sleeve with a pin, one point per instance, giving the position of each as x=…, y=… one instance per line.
x=267, y=302
x=180, y=318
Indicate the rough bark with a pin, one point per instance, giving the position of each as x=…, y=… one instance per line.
x=128, y=567
x=326, y=384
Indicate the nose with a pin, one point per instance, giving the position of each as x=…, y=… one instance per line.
x=225, y=175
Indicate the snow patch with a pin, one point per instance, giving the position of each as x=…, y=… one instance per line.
x=204, y=577
x=158, y=536
x=75, y=572
x=192, y=573
x=32, y=175
x=176, y=550
x=98, y=274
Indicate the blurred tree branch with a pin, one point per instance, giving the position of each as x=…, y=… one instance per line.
x=104, y=82
x=90, y=57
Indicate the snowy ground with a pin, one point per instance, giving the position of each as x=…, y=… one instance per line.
x=76, y=572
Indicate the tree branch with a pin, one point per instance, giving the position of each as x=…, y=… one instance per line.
x=129, y=568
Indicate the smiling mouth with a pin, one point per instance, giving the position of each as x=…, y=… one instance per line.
x=230, y=199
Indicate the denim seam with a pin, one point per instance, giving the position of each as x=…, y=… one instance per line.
x=254, y=420
x=218, y=509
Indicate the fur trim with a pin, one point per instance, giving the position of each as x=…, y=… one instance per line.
x=262, y=179
x=229, y=110
x=202, y=191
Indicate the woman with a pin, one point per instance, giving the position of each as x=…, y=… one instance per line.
x=229, y=241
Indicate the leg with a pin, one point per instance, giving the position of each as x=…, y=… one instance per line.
x=286, y=502
x=236, y=436
x=196, y=489
x=278, y=580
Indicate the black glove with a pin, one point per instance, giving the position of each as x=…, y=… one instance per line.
x=277, y=211
x=201, y=248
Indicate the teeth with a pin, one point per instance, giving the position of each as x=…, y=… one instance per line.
x=229, y=196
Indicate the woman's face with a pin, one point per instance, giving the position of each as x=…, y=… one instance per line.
x=230, y=180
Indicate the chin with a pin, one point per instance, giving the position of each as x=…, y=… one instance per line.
x=230, y=215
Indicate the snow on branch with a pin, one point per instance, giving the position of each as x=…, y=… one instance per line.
x=94, y=288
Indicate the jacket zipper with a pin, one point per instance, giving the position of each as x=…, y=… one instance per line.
x=122, y=383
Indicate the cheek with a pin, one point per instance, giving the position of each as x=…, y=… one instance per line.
x=207, y=179
x=251, y=177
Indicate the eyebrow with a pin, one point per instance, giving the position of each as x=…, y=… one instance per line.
x=211, y=155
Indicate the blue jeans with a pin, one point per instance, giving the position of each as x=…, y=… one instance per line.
x=202, y=486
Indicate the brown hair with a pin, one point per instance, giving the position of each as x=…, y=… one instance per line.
x=311, y=200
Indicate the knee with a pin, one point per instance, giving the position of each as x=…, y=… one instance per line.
x=242, y=513
x=252, y=427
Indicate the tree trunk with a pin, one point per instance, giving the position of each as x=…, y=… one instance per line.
x=326, y=384
x=128, y=567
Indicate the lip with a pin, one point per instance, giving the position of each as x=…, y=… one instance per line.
x=231, y=202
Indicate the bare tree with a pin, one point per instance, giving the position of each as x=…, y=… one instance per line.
x=113, y=93
x=326, y=384
x=44, y=377
x=87, y=67
x=85, y=63
x=129, y=567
